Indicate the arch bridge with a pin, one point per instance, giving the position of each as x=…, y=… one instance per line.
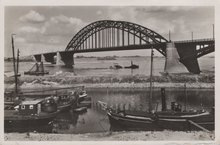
x=108, y=35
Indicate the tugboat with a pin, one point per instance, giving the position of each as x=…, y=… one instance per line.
x=132, y=66
x=116, y=66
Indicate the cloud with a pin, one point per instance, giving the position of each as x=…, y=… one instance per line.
x=29, y=29
x=32, y=17
x=62, y=25
x=120, y=13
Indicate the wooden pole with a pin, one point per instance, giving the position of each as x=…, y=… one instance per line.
x=151, y=74
x=15, y=71
x=185, y=96
x=169, y=36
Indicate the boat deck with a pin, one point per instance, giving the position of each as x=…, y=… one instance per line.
x=14, y=115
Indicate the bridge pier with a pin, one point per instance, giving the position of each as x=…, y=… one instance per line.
x=49, y=57
x=42, y=58
x=172, y=63
x=37, y=58
x=58, y=59
x=188, y=57
x=67, y=58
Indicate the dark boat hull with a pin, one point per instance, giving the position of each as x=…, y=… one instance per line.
x=36, y=73
x=186, y=123
x=132, y=67
x=14, y=120
x=131, y=123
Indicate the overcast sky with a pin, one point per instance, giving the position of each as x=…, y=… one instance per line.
x=46, y=29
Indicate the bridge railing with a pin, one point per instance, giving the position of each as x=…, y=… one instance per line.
x=195, y=40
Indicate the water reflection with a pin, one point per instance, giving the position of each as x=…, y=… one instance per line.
x=96, y=120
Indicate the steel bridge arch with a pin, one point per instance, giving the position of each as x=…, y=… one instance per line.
x=147, y=35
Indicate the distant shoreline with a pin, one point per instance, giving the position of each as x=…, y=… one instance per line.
x=30, y=58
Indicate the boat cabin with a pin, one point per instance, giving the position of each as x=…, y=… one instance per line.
x=32, y=107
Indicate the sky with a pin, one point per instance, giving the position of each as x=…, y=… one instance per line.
x=41, y=29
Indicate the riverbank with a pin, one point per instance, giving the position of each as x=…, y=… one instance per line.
x=114, y=136
x=67, y=79
x=52, y=85
x=71, y=78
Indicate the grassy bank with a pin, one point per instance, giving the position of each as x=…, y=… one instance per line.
x=70, y=78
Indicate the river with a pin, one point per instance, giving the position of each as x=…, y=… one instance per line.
x=93, y=66
x=95, y=119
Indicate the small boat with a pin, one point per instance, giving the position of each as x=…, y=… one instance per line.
x=116, y=66
x=37, y=69
x=132, y=66
x=30, y=113
x=132, y=122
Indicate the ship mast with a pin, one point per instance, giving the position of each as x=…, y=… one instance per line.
x=151, y=75
x=15, y=72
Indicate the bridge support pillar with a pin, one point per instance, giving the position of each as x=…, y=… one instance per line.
x=37, y=57
x=188, y=57
x=42, y=58
x=49, y=57
x=67, y=58
x=172, y=63
x=58, y=59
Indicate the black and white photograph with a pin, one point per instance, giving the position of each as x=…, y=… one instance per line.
x=109, y=73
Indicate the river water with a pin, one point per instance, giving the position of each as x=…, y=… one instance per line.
x=93, y=66
x=95, y=119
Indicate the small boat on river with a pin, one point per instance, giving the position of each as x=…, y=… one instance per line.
x=132, y=66
x=132, y=122
x=116, y=66
x=37, y=69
